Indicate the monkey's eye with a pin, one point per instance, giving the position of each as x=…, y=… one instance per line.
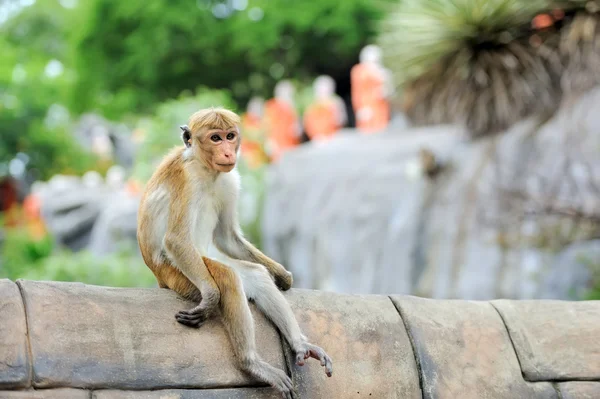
x=215, y=137
x=230, y=136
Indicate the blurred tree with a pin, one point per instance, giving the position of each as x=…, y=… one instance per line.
x=132, y=54
x=34, y=81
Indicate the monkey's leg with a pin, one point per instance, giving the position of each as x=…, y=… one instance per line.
x=239, y=325
x=259, y=286
x=283, y=278
x=170, y=277
x=232, y=243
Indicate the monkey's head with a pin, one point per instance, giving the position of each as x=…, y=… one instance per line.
x=213, y=136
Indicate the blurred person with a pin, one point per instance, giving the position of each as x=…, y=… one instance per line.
x=252, y=147
x=326, y=115
x=281, y=121
x=370, y=87
x=9, y=201
x=32, y=211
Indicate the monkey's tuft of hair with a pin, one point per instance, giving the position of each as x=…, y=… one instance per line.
x=215, y=117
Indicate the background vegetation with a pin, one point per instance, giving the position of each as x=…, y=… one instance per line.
x=148, y=65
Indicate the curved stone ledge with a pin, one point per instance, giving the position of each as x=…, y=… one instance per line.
x=71, y=340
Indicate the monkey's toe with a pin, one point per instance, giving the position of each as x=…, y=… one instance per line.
x=283, y=384
x=193, y=317
x=316, y=353
x=189, y=323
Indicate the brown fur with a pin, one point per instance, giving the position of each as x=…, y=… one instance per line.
x=232, y=305
x=167, y=275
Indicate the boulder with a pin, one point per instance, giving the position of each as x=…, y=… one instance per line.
x=361, y=213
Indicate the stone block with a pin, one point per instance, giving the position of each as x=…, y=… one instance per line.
x=464, y=351
x=365, y=337
x=242, y=393
x=554, y=340
x=127, y=338
x=580, y=390
x=14, y=359
x=58, y=393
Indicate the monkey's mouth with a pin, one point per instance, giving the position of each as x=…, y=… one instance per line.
x=226, y=164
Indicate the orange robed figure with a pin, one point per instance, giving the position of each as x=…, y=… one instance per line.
x=281, y=121
x=252, y=147
x=369, y=88
x=325, y=116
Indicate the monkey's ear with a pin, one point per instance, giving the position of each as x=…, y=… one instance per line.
x=186, y=136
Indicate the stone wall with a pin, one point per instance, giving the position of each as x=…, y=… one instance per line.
x=71, y=340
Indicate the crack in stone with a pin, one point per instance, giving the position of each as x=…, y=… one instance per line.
x=27, y=333
x=512, y=343
x=558, y=391
x=413, y=347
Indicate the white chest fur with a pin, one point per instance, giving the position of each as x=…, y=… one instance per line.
x=210, y=200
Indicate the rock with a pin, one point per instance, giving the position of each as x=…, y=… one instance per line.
x=557, y=283
x=325, y=218
x=95, y=133
x=116, y=225
x=366, y=339
x=543, y=338
x=70, y=209
x=14, y=360
x=464, y=351
x=359, y=214
x=97, y=337
x=579, y=390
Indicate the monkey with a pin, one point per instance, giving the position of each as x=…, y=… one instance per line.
x=189, y=202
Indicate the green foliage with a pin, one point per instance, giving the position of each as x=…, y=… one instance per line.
x=121, y=58
x=31, y=44
x=20, y=251
x=165, y=59
x=132, y=54
x=594, y=267
x=120, y=269
x=27, y=258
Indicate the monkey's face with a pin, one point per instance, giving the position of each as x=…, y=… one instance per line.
x=219, y=148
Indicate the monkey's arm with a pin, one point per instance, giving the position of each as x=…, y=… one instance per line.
x=228, y=239
x=180, y=248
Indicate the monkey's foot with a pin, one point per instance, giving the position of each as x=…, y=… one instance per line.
x=282, y=383
x=195, y=316
x=275, y=377
x=284, y=280
x=310, y=350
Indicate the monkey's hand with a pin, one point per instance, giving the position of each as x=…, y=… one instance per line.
x=309, y=350
x=284, y=279
x=207, y=308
